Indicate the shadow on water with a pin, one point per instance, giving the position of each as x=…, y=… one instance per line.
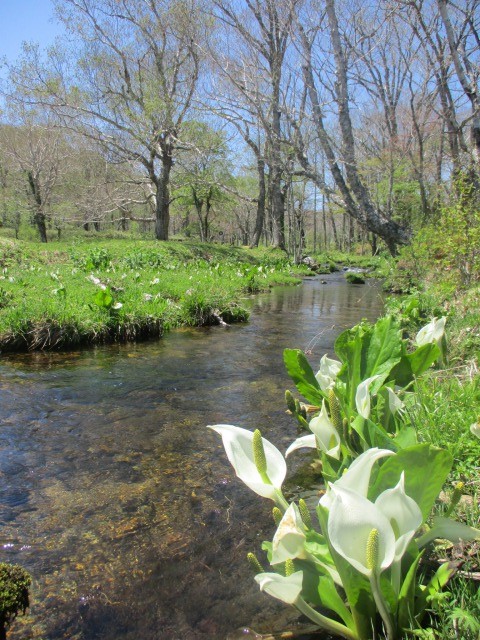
x=117, y=499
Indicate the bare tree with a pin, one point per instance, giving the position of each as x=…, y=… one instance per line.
x=342, y=158
x=261, y=33
x=465, y=68
x=35, y=153
x=127, y=83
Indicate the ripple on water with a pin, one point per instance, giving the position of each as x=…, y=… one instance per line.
x=140, y=528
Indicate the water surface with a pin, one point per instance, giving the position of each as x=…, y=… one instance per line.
x=120, y=502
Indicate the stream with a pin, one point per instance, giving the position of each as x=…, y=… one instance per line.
x=118, y=500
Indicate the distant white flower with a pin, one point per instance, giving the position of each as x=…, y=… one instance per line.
x=394, y=402
x=431, y=332
x=324, y=436
x=289, y=539
x=147, y=296
x=155, y=281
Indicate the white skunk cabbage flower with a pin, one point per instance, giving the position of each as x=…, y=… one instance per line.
x=360, y=532
x=238, y=444
x=362, y=397
x=287, y=589
x=402, y=512
x=327, y=374
x=325, y=436
x=394, y=402
x=431, y=332
x=289, y=539
x=357, y=476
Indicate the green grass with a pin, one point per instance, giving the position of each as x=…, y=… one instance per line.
x=448, y=402
x=62, y=295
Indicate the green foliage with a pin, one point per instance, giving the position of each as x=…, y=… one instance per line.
x=14, y=592
x=59, y=296
x=354, y=278
x=364, y=563
x=445, y=423
x=446, y=252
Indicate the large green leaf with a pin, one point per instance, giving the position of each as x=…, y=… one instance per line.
x=423, y=358
x=368, y=351
x=414, y=364
x=426, y=468
x=384, y=348
x=301, y=372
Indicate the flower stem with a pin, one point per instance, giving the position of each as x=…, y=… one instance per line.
x=325, y=623
x=280, y=501
x=381, y=606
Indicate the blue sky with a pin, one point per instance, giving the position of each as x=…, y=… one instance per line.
x=26, y=20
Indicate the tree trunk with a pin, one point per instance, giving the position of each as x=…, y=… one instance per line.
x=162, y=209
x=260, y=219
x=277, y=198
x=38, y=215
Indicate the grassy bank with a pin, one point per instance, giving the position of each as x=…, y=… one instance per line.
x=431, y=283
x=65, y=295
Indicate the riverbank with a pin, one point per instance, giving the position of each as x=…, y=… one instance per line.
x=66, y=295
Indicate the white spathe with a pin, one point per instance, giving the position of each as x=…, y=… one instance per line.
x=357, y=476
x=351, y=520
x=325, y=436
x=287, y=589
x=238, y=444
x=431, y=332
x=402, y=512
x=289, y=539
x=394, y=402
x=327, y=374
x=362, y=397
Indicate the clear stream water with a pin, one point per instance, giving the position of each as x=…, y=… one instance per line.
x=119, y=501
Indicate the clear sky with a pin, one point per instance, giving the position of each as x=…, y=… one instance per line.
x=26, y=20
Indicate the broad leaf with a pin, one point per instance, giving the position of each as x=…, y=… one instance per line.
x=426, y=469
x=423, y=358
x=406, y=437
x=301, y=372
x=368, y=351
x=384, y=349
x=414, y=364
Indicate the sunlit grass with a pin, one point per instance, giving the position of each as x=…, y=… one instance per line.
x=49, y=295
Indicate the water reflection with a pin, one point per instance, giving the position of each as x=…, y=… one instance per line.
x=119, y=501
